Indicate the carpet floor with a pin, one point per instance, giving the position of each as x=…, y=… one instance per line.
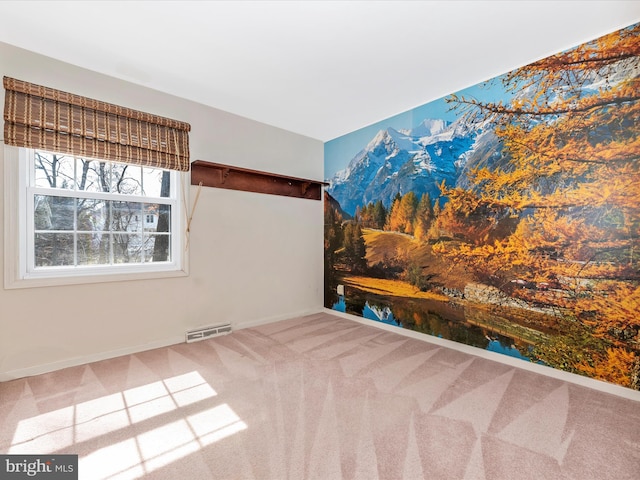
x=319, y=397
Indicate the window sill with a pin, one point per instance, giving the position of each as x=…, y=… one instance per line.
x=59, y=280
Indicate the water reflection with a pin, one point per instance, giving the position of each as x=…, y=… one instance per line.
x=511, y=350
x=439, y=319
x=381, y=314
x=371, y=312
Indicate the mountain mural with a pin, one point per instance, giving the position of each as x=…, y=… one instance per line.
x=505, y=216
x=417, y=160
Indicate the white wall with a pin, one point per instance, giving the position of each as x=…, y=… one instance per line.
x=253, y=258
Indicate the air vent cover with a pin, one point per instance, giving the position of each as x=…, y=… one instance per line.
x=207, y=332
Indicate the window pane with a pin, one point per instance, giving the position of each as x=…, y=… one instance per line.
x=92, y=215
x=53, y=213
x=93, y=249
x=126, y=216
x=126, y=179
x=94, y=176
x=158, y=217
x=53, y=249
x=157, y=248
x=53, y=170
x=127, y=248
x=156, y=182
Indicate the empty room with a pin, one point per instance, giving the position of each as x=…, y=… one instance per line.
x=320, y=240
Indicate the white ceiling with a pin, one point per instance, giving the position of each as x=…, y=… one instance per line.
x=319, y=68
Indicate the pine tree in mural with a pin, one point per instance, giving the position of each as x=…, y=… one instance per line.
x=372, y=215
x=333, y=234
x=379, y=215
x=354, y=247
x=573, y=181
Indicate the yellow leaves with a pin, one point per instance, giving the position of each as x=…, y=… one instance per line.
x=403, y=213
x=598, y=56
x=615, y=366
x=440, y=248
x=419, y=232
x=618, y=307
x=573, y=165
x=570, y=176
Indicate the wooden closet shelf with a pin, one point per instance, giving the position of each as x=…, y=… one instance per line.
x=236, y=178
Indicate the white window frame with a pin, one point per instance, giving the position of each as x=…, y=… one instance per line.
x=18, y=244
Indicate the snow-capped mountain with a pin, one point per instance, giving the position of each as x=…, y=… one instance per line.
x=395, y=161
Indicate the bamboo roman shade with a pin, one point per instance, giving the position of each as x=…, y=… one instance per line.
x=42, y=117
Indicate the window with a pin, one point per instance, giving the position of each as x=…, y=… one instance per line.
x=78, y=219
x=92, y=189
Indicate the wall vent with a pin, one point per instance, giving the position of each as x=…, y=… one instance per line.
x=207, y=332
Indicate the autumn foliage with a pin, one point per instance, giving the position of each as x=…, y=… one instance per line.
x=573, y=182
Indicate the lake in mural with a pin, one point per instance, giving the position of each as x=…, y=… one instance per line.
x=505, y=216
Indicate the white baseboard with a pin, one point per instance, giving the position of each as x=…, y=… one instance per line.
x=498, y=357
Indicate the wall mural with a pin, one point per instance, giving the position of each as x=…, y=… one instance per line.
x=505, y=216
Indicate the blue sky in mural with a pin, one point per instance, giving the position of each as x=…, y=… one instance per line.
x=339, y=151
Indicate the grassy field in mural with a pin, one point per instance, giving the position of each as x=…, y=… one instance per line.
x=390, y=287
x=520, y=218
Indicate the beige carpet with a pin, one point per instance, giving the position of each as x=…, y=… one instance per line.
x=319, y=397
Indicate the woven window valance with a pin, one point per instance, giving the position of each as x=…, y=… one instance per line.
x=49, y=119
